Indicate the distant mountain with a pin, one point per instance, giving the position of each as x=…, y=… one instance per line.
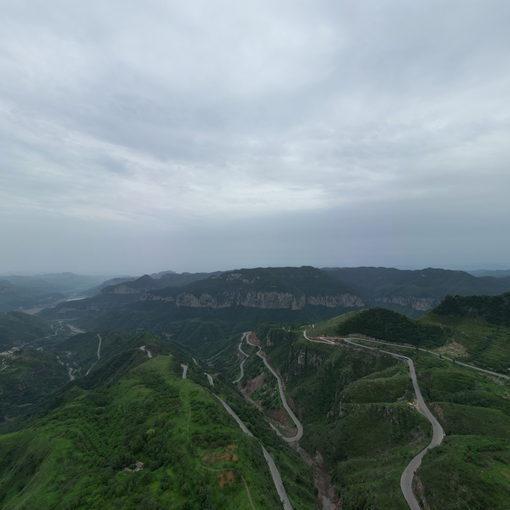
x=146, y=282
x=495, y=273
x=38, y=291
x=14, y=296
x=414, y=290
x=64, y=283
x=244, y=297
x=291, y=288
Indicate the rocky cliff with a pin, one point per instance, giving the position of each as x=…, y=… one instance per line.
x=415, y=303
x=258, y=299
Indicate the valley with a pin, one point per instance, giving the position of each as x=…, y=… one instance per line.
x=262, y=403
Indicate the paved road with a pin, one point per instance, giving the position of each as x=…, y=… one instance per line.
x=99, y=346
x=406, y=480
x=98, y=353
x=442, y=356
x=209, y=379
x=297, y=423
x=241, y=365
x=146, y=350
x=184, y=370
x=275, y=474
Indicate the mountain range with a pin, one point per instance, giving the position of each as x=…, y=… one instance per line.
x=259, y=388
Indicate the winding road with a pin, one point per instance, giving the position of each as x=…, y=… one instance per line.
x=290, y=412
x=275, y=474
x=438, y=355
x=146, y=350
x=246, y=356
x=438, y=434
x=98, y=353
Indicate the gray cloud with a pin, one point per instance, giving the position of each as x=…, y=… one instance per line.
x=211, y=134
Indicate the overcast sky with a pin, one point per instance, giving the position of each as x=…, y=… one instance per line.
x=201, y=135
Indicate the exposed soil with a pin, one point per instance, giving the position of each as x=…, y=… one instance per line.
x=254, y=384
x=327, y=493
x=419, y=490
x=226, y=478
x=227, y=454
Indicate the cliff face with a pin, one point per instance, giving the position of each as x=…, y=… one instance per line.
x=416, y=303
x=259, y=299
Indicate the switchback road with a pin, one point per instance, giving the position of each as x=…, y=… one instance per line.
x=406, y=480
x=290, y=412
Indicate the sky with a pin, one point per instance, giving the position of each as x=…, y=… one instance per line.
x=195, y=136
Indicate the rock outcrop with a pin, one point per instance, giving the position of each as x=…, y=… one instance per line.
x=258, y=299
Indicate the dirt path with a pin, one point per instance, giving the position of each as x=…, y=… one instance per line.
x=248, y=493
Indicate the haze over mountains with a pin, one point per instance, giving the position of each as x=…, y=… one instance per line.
x=289, y=226
x=137, y=386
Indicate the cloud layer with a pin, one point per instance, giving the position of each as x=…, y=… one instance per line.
x=207, y=135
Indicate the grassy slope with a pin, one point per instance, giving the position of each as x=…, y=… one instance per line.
x=386, y=325
x=355, y=412
x=352, y=414
x=472, y=339
x=75, y=456
x=484, y=343
x=472, y=468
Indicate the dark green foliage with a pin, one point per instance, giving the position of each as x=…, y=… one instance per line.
x=378, y=282
x=392, y=327
x=493, y=309
x=75, y=456
x=355, y=412
x=468, y=472
x=17, y=328
x=27, y=376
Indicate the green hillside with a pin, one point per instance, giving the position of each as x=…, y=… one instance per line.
x=26, y=376
x=355, y=411
x=493, y=309
x=385, y=325
x=144, y=439
x=17, y=328
x=378, y=282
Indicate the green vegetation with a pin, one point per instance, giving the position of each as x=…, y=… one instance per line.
x=382, y=282
x=17, y=328
x=147, y=439
x=471, y=469
x=354, y=407
x=355, y=412
x=391, y=327
x=26, y=376
x=299, y=281
x=493, y=309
